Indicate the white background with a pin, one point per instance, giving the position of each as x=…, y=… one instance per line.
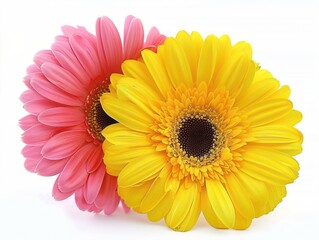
x=284, y=36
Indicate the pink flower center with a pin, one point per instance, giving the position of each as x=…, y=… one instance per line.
x=96, y=118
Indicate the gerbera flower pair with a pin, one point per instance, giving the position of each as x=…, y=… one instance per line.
x=185, y=125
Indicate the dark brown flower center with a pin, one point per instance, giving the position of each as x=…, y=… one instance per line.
x=96, y=118
x=197, y=136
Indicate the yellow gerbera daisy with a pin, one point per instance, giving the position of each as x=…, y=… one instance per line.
x=200, y=128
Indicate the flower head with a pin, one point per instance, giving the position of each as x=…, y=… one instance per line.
x=201, y=128
x=63, y=130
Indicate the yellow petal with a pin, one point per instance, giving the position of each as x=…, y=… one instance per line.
x=136, y=92
x=134, y=195
x=272, y=159
x=185, y=41
x=138, y=70
x=235, y=72
x=226, y=154
x=268, y=111
x=197, y=42
x=172, y=184
x=262, y=74
x=290, y=149
x=176, y=64
x=209, y=212
x=115, y=77
x=181, y=206
x=224, y=50
x=207, y=60
x=158, y=71
x=275, y=134
x=258, y=91
x=283, y=92
x=148, y=91
x=193, y=214
x=290, y=119
x=221, y=202
x=143, y=169
x=276, y=194
x=115, y=162
x=241, y=222
x=162, y=208
x=256, y=190
x=156, y=192
x=266, y=174
x=243, y=48
x=246, y=82
x=239, y=197
x=120, y=135
x=126, y=113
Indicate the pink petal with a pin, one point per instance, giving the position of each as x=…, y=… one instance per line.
x=74, y=174
x=31, y=164
x=80, y=201
x=81, y=31
x=94, y=209
x=87, y=55
x=102, y=196
x=38, y=106
x=37, y=135
x=57, y=194
x=33, y=152
x=48, y=90
x=64, y=144
x=33, y=69
x=109, y=45
x=50, y=168
x=82, y=127
x=67, y=59
x=69, y=31
x=107, y=191
x=95, y=160
x=26, y=81
x=112, y=205
x=44, y=56
x=28, y=121
x=127, y=24
x=33, y=157
x=29, y=95
x=64, y=80
x=62, y=116
x=154, y=38
x=93, y=184
x=134, y=39
x=37, y=74
x=125, y=207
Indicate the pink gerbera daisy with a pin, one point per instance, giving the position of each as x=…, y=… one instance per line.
x=63, y=130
